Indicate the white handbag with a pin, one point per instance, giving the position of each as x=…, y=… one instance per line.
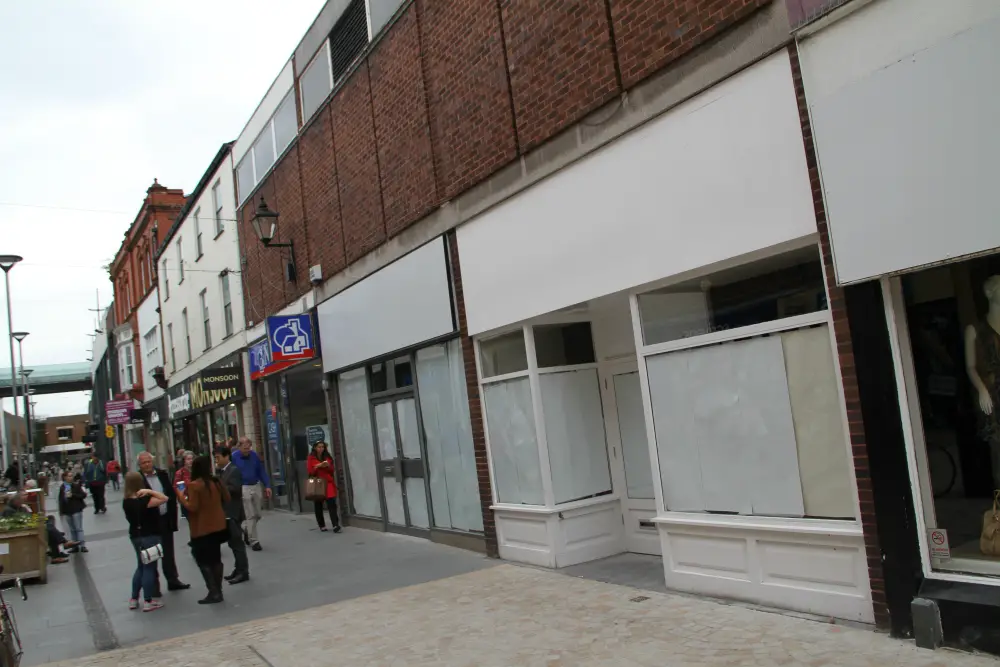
x=152, y=554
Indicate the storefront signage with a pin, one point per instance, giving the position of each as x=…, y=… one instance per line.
x=118, y=412
x=263, y=363
x=291, y=337
x=139, y=416
x=937, y=539
x=109, y=431
x=316, y=434
x=211, y=388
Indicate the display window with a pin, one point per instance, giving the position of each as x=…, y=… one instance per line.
x=947, y=330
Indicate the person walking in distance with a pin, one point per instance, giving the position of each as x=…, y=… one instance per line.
x=72, y=500
x=320, y=464
x=114, y=470
x=254, y=477
x=204, y=499
x=96, y=477
x=159, y=480
x=232, y=479
x=184, y=474
x=141, y=509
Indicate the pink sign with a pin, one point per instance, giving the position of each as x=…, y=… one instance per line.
x=118, y=412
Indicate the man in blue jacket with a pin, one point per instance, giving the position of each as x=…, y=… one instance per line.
x=96, y=477
x=254, y=477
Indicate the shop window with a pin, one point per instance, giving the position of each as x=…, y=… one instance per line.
x=574, y=434
x=65, y=433
x=392, y=374
x=748, y=422
x=777, y=288
x=451, y=458
x=503, y=354
x=951, y=328
x=513, y=443
x=564, y=344
x=380, y=378
x=358, y=440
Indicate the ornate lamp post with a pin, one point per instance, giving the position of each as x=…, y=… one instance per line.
x=265, y=225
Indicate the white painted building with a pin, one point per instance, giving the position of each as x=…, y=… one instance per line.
x=156, y=434
x=201, y=312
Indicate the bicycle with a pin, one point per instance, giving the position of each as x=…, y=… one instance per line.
x=10, y=641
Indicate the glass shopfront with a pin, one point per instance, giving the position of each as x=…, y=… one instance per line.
x=408, y=439
x=205, y=409
x=948, y=331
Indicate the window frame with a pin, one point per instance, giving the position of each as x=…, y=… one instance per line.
x=198, y=246
x=187, y=334
x=180, y=259
x=166, y=281
x=206, y=319
x=61, y=429
x=173, y=349
x=323, y=50
x=226, y=295
x=217, y=207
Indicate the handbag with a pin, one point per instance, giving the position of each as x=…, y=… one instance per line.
x=989, y=539
x=151, y=554
x=315, y=489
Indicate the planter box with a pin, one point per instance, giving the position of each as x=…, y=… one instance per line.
x=24, y=553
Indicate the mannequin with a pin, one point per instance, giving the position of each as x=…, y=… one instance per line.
x=982, y=364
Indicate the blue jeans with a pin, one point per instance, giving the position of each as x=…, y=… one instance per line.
x=145, y=574
x=75, y=524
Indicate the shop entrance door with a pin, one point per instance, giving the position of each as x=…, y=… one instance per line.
x=401, y=464
x=629, y=454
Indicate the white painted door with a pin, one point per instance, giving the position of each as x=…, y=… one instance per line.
x=629, y=454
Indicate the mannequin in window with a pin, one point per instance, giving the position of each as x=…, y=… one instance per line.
x=982, y=363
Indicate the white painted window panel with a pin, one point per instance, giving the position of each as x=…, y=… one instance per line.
x=385, y=430
x=574, y=433
x=404, y=304
x=451, y=458
x=315, y=82
x=724, y=430
x=683, y=191
x=510, y=419
x=632, y=428
x=908, y=149
x=360, y=443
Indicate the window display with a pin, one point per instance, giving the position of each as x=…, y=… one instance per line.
x=952, y=317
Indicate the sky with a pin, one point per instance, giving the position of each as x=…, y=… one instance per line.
x=98, y=98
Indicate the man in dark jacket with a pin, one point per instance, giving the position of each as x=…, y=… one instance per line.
x=232, y=479
x=159, y=480
x=96, y=477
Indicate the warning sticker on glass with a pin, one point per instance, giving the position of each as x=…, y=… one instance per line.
x=938, y=541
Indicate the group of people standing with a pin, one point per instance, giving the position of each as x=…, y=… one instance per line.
x=221, y=506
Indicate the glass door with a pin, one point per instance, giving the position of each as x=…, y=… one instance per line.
x=401, y=464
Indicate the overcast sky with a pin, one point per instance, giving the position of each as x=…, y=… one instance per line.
x=96, y=99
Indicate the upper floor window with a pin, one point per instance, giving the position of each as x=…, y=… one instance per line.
x=180, y=260
x=173, y=353
x=217, y=207
x=349, y=38
x=316, y=82
x=152, y=340
x=187, y=334
x=227, y=304
x=197, y=234
x=64, y=433
x=206, y=319
x=166, y=282
x=278, y=132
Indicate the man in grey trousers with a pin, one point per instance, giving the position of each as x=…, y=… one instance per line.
x=232, y=479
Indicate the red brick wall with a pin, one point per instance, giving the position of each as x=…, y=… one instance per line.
x=357, y=166
x=321, y=198
x=649, y=34
x=845, y=353
x=561, y=63
x=409, y=187
x=475, y=404
x=468, y=95
x=291, y=225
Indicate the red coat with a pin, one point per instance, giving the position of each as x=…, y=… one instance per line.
x=326, y=472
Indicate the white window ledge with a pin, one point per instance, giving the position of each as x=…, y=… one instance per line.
x=538, y=509
x=837, y=528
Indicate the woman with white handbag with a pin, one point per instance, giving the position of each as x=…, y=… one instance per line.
x=140, y=508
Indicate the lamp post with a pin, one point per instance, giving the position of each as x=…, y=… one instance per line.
x=265, y=225
x=7, y=263
x=19, y=336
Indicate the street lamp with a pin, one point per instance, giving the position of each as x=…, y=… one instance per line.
x=7, y=263
x=28, y=412
x=265, y=225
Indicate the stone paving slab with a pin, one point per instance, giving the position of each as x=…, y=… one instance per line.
x=511, y=615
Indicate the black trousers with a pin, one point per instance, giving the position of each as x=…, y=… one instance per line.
x=56, y=539
x=238, y=547
x=169, y=560
x=97, y=493
x=331, y=506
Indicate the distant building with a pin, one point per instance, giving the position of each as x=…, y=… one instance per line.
x=62, y=430
x=15, y=431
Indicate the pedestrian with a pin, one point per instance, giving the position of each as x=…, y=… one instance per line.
x=204, y=499
x=320, y=464
x=72, y=501
x=233, y=481
x=16, y=505
x=96, y=477
x=114, y=470
x=57, y=541
x=141, y=508
x=13, y=475
x=159, y=480
x=184, y=473
x=254, y=477
x=179, y=460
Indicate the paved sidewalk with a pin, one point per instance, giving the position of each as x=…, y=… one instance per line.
x=512, y=615
x=83, y=607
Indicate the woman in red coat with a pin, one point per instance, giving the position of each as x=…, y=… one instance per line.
x=320, y=464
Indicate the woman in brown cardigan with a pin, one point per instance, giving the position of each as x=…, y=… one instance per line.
x=203, y=499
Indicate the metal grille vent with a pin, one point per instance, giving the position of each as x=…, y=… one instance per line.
x=348, y=39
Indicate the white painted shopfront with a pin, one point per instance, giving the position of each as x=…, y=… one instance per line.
x=906, y=139
x=657, y=363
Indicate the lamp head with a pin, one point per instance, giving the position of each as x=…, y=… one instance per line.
x=19, y=335
x=27, y=371
x=265, y=222
x=7, y=262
